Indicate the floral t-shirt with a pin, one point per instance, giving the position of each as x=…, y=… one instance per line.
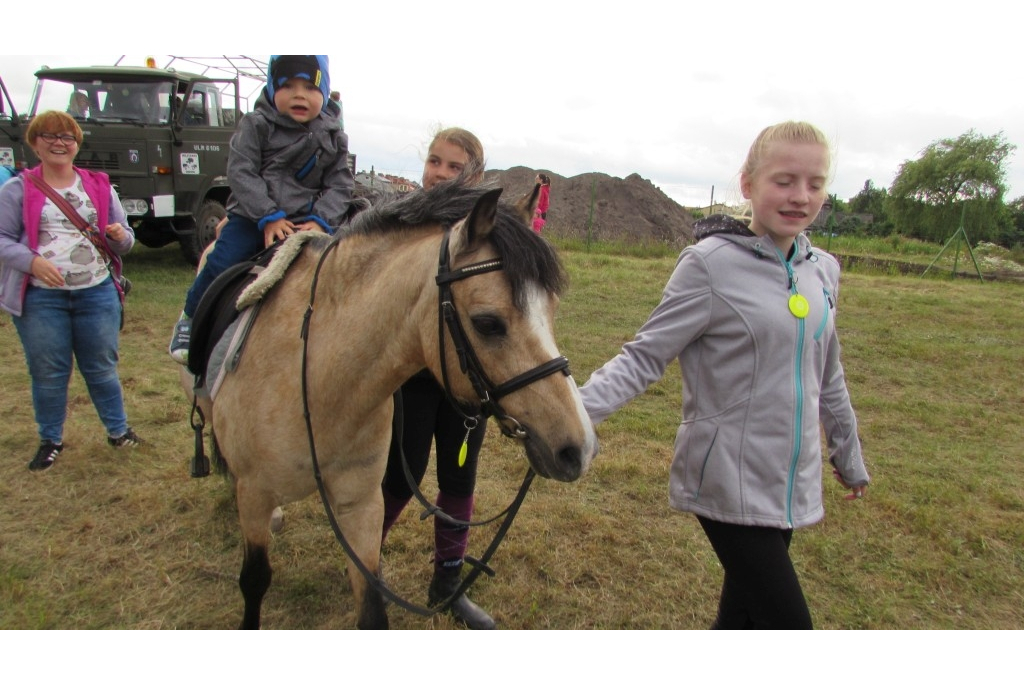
x=62, y=243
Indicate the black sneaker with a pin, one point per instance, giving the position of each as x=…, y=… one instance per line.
x=45, y=456
x=129, y=439
x=179, y=341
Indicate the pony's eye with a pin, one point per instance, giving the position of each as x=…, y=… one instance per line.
x=488, y=325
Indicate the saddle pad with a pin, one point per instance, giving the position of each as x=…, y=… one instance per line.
x=226, y=352
x=287, y=251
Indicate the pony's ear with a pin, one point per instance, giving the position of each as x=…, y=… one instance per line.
x=469, y=233
x=527, y=204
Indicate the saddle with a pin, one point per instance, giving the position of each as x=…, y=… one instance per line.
x=217, y=309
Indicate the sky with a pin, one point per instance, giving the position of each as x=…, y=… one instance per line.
x=672, y=92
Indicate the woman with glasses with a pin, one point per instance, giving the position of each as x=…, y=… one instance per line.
x=56, y=284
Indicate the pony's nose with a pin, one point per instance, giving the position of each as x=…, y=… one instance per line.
x=567, y=465
x=571, y=461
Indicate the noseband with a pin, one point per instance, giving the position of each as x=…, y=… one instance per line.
x=486, y=391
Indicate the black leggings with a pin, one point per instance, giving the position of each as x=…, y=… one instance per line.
x=761, y=589
x=430, y=418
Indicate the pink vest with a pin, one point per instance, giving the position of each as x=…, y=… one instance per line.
x=97, y=187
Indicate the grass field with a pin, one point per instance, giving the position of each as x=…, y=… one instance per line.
x=111, y=539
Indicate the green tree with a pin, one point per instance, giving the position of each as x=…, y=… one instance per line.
x=953, y=178
x=871, y=200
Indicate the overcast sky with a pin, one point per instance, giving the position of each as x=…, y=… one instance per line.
x=673, y=92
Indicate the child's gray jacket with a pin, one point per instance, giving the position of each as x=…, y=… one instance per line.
x=279, y=168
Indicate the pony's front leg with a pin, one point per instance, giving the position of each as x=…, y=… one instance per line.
x=254, y=580
x=362, y=524
x=254, y=511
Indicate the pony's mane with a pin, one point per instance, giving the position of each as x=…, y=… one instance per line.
x=526, y=257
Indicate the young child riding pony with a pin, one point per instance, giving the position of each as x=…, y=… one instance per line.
x=288, y=171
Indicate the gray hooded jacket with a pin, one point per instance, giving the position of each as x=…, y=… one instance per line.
x=758, y=382
x=279, y=168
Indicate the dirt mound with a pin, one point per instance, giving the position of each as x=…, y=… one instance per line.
x=629, y=210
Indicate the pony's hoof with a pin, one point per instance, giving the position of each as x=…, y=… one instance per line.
x=276, y=520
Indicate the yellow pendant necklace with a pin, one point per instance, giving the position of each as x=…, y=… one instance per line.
x=799, y=306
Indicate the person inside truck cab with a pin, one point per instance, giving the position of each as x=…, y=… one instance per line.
x=78, y=105
x=194, y=113
x=129, y=104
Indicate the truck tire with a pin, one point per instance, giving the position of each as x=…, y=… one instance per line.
x=206, y=220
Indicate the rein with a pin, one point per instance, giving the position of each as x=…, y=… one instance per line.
x=430, y=508
x=486, y=391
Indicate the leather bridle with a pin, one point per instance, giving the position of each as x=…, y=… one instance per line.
x=487, y=392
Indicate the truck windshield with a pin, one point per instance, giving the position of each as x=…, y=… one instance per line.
x=132, y=102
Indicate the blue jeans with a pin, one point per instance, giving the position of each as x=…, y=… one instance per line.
x=240, y=239
x=56, y=325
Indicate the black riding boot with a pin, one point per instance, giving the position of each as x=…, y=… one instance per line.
x=463, y=609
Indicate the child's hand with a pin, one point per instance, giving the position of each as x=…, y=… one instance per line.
x=309, y=226
x=277, y=230
x=858, y=491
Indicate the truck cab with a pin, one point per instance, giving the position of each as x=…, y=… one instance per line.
x=162, y=135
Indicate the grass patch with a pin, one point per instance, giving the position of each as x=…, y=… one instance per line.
x=128, y=540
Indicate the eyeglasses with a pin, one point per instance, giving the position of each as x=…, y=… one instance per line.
x=65, y=138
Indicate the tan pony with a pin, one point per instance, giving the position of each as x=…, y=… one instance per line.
x=374, y=324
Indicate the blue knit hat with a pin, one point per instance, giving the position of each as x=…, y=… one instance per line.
x=313, y=68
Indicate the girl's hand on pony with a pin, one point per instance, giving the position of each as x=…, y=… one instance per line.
x=858, y=490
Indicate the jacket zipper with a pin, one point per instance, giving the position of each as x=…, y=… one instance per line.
x=798, y=383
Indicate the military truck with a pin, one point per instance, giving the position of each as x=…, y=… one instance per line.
x=162, y=135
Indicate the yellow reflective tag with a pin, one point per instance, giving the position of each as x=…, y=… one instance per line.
x=462, y=453
x=799, y=306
